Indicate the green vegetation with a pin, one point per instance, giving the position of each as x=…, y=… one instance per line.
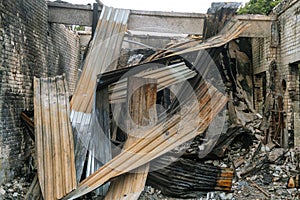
x=263, y=7
x=79, y=28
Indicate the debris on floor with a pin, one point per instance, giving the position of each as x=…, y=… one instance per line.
x=274, y=178
x=14, y=190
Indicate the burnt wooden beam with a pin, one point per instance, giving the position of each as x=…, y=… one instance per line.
x=28, y=123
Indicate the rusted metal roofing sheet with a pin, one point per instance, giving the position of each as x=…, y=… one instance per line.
x=53, y=137
x=231, y=31
x=102, y=57
x=161, y=138
x=173, y=129
x=165, y=77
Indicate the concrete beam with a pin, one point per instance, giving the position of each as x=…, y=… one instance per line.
x=166, y=22
x=261, y=25
x=70, y=14
x=154, y=21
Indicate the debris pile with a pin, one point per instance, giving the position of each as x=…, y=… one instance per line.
x=266, y=172
x=180, y=122
x=14, y=190
x=187, y=114
x=260, y=172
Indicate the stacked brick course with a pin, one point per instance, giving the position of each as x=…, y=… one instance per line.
x=287, y=57
x=263, y=55
x=289, y=20
x=29, y=46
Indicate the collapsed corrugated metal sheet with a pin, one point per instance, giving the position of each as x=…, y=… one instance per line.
x=102, y=57
x=165, y=77
x=231, y=31
x=54, y=138
x=172, y=131
x=141, y=103
x=186, y=178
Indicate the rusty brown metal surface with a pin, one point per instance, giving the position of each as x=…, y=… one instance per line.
x=104, y=50
x=230, y=32
x=141, y=103
x=102, y=56
x=165, y=77
x=54, y=138
x=161, y=138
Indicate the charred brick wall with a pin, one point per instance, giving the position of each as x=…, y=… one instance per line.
x=286, y=54
x=64, y=55
x=259, y=53
x=263, y=55
x=289, y=20
x=29, y=47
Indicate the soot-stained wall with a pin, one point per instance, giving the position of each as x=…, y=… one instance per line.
x=29, y=47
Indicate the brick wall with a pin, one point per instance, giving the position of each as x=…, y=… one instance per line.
x=259, y=91
x=286, y=55
x=262, y=56
x=29, y=46
x=64, y=55
x=259, y=67
x=289, y=20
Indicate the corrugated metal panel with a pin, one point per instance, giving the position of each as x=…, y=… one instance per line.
x=195, y=121
x=54, y=138
x=231, y=31
x=165, y=77
x=102, y=57
x=179, y=129
x=104, y=52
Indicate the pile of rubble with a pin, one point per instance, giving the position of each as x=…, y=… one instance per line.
x=266, y=172
x=261, y=172
x=14, y=190
x=190, y=127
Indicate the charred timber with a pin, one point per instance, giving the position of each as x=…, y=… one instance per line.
x=26, y=118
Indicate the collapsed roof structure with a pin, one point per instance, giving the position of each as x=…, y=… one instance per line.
x=157, y=105
x=189, y=114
